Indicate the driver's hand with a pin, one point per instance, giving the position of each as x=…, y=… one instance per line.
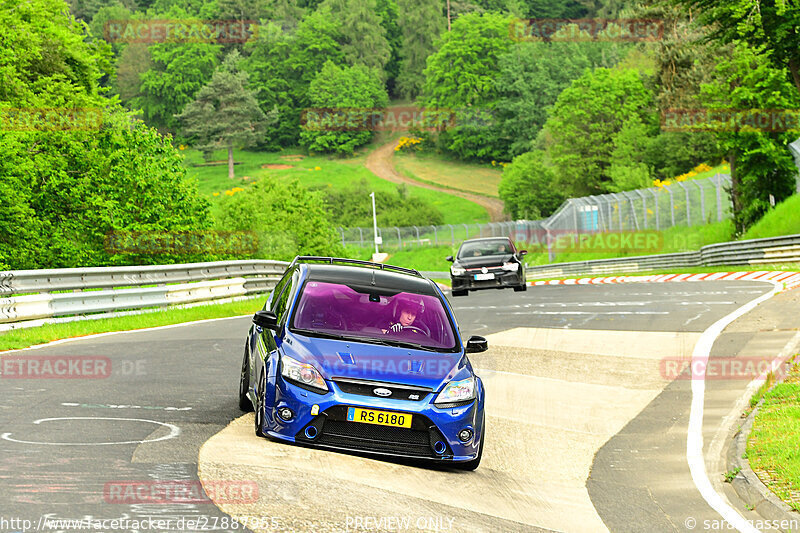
x=396, y=327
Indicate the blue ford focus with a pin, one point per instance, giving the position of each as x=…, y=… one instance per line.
x=364, y=357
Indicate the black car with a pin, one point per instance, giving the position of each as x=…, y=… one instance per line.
x=490, y=263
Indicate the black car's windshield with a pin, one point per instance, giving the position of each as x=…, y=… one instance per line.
x=481, y=248
x=403, y=319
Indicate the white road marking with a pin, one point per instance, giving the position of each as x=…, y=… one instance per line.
x=694, y=438
x=174, y=431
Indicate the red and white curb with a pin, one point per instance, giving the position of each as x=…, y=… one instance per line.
x=790, y=280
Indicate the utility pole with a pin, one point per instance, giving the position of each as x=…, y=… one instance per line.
x=374, y=221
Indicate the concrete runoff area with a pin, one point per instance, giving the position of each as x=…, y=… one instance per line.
x=545, y=422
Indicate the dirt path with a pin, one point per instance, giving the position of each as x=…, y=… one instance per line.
x=380, y=163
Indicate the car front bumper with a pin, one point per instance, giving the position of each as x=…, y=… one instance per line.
x=501, y=280
x=431, y=426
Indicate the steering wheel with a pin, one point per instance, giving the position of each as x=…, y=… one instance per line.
x=418, y=330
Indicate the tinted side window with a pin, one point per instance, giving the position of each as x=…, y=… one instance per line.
x=281, y=302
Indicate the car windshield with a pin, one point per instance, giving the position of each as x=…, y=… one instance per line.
x=481, y=248
x=402, y=319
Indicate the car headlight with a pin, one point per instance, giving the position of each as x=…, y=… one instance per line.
x=302, y=373
x=512, y=267
x=457, y=391
x=457, y=271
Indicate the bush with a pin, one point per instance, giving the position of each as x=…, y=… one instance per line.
x=288, y=219
x=353, y=208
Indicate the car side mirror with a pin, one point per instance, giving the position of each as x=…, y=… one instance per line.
x=449, y=258
x=477, y=344
x=522, y=253
x=266, y=320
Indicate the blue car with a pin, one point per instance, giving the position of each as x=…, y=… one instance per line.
x=363, y=357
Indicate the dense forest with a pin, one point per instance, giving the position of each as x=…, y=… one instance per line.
x=572, y=114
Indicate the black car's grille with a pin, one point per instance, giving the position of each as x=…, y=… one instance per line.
x=334, y=430
x=367, y=388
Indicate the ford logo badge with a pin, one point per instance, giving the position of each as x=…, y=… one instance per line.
x=380, y=391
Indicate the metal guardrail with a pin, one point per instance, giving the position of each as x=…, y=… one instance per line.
x=785, y=249
x=36, y=294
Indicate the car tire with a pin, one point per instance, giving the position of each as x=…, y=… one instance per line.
x=259, y=407
x=460, y=293
x=521, y=288
x=473, y=464
x=244, y=383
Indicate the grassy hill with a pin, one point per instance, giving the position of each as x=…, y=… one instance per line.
x=316, y=171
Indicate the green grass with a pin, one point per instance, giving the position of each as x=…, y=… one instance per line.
x=21, y=338
x=774, y=443
x=784, y=219
x=449, y=173
x=320, y=171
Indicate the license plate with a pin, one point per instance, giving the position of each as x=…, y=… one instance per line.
x=381, y=418
x=481, y=277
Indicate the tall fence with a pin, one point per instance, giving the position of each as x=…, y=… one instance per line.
x=682, y=203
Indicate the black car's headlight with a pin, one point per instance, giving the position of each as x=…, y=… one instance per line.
x=302, y=373
x=457, y=271
x=457, y=391
x=511, y=266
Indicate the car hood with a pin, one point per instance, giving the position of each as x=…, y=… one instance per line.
x=484, y=260
x=374, y=362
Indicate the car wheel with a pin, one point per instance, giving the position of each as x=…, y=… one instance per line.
x=521, y=288
x=259, y=407
x=473, y=464
x=244, y=384
x=459, y=293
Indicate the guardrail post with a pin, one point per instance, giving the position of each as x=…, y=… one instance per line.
x=702, y=202
x=688, y=205
x=671, y=206
x=655, y=200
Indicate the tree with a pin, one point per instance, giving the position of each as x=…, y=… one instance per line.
x=354, y=91
x=769, y=25
x=421, y=24
x=460, y=77
x=178, y=71
x=579, y=134
x=64, y=188
x=362, y=36
x=461, y=72
x=225, y=113
x=529, y=187
x=760, y=163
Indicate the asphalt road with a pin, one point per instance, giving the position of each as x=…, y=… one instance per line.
x=67, y=443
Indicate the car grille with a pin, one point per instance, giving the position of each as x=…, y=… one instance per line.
x=336, y=431
x=367, y=388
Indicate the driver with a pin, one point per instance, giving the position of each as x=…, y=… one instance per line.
x=407, y=311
